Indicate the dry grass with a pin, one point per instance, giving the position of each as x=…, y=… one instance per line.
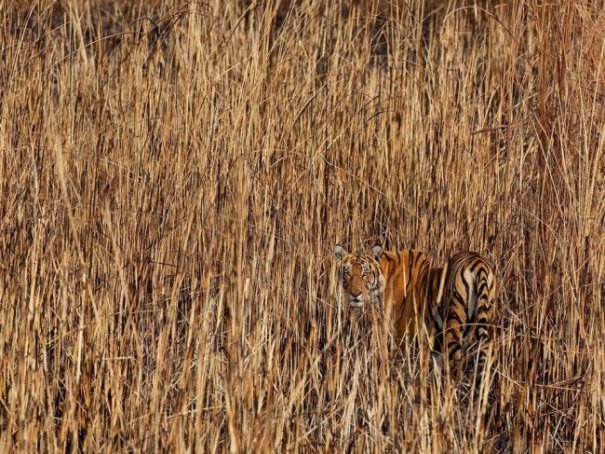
x=174, y=177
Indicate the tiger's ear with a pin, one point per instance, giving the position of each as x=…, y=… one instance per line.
x=377, y=251
x=339, y=252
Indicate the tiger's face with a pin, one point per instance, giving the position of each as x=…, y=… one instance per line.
x=361, y=276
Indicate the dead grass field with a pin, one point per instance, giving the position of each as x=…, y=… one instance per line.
x=174, y=176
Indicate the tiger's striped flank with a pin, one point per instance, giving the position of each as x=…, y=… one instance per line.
x=466, y=311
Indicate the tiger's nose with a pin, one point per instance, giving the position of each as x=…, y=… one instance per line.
x=355, y=293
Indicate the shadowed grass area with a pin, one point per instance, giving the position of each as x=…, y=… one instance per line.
x=173, y=179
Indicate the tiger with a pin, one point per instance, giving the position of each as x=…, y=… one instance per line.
x=397, y=280
x=462, y=307
x=456, y=302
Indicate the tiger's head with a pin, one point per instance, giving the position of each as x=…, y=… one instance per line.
x=361, y=275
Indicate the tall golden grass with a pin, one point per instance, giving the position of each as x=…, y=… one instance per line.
x=174, y=176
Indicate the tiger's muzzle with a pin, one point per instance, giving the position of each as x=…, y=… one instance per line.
x=356, y=298
x=355, y=301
